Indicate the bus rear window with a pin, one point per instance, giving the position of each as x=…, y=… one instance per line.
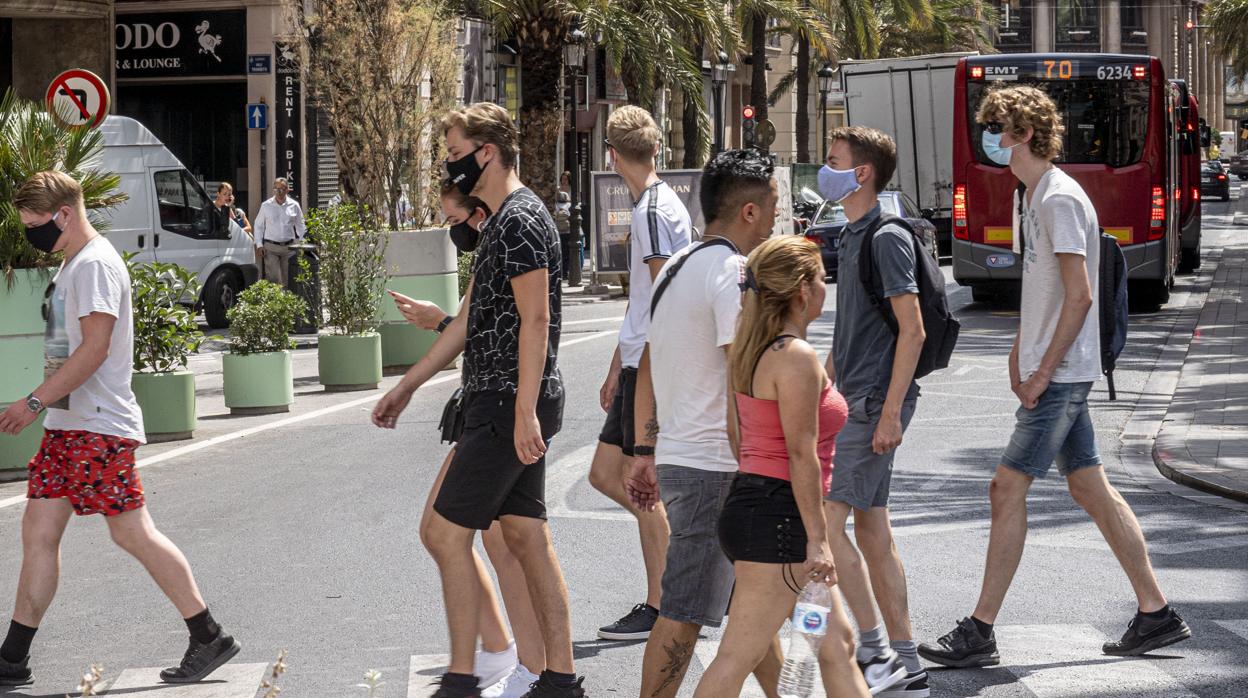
x=1106, y=121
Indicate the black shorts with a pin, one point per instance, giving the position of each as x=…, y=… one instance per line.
x=485, y=479
x=618, y=429
x=761, y=522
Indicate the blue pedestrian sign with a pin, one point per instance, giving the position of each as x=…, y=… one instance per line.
x=257, y=116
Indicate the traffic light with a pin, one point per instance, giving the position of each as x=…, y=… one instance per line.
x=747, y=126
x=1189, y=25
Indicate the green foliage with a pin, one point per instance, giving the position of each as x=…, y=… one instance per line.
x=464, y=266
x=165, y=331
x=31, y=142
x=352, y=268
x=263, y=318
x=1228, y=26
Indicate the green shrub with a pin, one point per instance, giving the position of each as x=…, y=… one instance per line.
x=465, y=271
x=263, y=318
x=165, y=331
x=352, y=250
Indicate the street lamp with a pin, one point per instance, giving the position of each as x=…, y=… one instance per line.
x=719, y=76
x=574, y=58
x=826, y=75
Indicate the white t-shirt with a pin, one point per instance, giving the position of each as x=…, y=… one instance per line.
x=94, y=281
x=660, y=228
x=693, y=324
x=1059, y=219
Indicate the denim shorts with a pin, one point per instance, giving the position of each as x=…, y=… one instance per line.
x=1058, y=428
x=698, y=578
x=861, y=477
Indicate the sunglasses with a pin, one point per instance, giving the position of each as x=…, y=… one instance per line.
x=994, y=127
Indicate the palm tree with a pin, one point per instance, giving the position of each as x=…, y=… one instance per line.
x=956, y=25
x=1228, y=25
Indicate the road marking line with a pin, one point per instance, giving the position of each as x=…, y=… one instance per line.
x=566, y=473
x=1068, y=667
x=706, y=649
x=590, y=321
x=1239, y=627
x=230, y=681
x=424, y=669
x=260, y=428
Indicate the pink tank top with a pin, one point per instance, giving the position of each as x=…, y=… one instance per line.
x=763, y=450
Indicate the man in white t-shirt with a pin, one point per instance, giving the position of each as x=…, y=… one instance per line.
x=1053, y=365
x=682, y=387
x=660, y=227
x=85, y=464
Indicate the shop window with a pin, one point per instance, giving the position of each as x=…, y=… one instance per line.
x=1014, y=19
x=183, y=205
x=1078, y=25
x=1134, y=35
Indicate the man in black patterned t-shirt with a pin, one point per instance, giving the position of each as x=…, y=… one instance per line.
x=513, y=403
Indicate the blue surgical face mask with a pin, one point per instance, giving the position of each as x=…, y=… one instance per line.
x=995, y=151
x=835, y=185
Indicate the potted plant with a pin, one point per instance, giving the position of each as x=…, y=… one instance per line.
x=165, y=334
x=352, y=249
x=422, y=264
x=31, y=142
x=259, y=377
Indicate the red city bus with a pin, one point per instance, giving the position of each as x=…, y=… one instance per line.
x=1121, y=118
x=1189, y=179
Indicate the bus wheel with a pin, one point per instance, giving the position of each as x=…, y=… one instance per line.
x=1189, y=260
x=1149, y=296
x=982, y=294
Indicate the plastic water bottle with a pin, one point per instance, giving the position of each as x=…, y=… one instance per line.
x=810, y=624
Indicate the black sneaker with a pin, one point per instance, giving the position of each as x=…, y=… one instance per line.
x=883, y=672
x=445, y=690
x=634, y=626
x=1145, y=634
x=201, y=660
x=963, y=647
x=544, y=688
x=913, y=686
x=16, y=673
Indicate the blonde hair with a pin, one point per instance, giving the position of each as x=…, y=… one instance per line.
x=779, y=268
x=1020, y=107
x=486, y=122
x=633, y=133
x=45, y=192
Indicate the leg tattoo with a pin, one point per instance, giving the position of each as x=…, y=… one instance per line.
x=678, y=655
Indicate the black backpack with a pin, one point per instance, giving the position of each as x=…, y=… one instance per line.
x=939, y=325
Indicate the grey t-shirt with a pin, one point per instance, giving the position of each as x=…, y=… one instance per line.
x=862, y=344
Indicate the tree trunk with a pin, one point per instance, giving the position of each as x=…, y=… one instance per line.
x=541, y=116
x=802, y=121
x=758, y=55
x=694, y=157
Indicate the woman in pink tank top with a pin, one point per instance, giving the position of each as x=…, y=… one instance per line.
x=784, y=415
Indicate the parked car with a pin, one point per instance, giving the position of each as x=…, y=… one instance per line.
x=1239, y=165
x=1214, y=180
x=830, y=221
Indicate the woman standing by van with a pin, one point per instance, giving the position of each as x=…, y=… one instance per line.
x=786, y=415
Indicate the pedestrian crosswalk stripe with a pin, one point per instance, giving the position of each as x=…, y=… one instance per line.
x=1057, y=661
x=705, y=650
x=230, y=681
x=425, y=669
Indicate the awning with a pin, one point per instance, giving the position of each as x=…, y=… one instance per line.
x=57, y=8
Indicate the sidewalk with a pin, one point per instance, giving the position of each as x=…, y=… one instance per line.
x=1203, y=441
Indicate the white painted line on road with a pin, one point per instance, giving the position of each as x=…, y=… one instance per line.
x=563, y=475
x=706, y=649
x=230, y=681
x=425, y=669
x=1239, y=627
x=269, y=426
x=969, y=418
x=1012, y=398
x=590, y=321
x=1070, y=666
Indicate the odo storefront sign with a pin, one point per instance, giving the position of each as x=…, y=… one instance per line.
x=181, y=44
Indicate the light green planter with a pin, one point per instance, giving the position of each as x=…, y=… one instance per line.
x=21, y=355
x=258, y=383
x=349, y=362
x=422, y=265
x=168, y=402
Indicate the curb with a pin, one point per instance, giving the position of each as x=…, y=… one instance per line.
x=1170, y=457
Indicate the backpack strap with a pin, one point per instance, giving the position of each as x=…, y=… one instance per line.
x=671, y=271
x=866, y=265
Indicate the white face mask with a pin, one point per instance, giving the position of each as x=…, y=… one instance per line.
x=995, y=151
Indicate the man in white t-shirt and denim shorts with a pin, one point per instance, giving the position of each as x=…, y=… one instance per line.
x=660, y=227
x=682, y=383
x=86, y=464
x=1053, y=365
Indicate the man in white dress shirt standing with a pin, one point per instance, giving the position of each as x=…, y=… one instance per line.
x=278, y=225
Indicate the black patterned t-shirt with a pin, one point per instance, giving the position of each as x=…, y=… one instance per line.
x=521, y=237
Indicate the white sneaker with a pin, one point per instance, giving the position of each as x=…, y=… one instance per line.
x=514, y=686
x=883, y=672
x=913, y=686
x=493, y=667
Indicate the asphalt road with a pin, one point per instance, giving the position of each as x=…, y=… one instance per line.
x=302, y=532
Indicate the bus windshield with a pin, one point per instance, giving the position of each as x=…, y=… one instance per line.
x=1106, y=120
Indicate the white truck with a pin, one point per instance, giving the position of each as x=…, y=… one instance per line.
x=166, y=218
x=911, y=99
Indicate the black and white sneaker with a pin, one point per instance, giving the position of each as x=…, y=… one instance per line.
x=1145, y=634
x=447, y=689
x=16, y=673
x=201, y=660
x=883, y=672
x=545, y=688
x=963, y=647
x=914, y=685
x=636, y=625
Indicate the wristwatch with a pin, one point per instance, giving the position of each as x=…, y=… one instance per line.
x=34, y=404
x=446, y=321
x=643, y=450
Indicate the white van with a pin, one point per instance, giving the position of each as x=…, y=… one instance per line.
x=166, y=218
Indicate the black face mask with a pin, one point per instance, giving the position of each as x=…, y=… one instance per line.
x=465, y=172
x=465, y=237
x=43, y=237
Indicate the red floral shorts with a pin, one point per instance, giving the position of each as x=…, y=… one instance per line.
x=95, y=472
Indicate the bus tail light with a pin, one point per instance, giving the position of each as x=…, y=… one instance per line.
x=1195, y=193
x=960, y=231
x=1140, y=72
x=1157, y=226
